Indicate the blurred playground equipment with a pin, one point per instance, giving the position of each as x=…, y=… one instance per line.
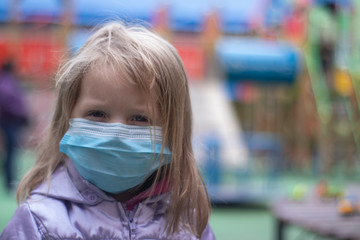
x=264, y=104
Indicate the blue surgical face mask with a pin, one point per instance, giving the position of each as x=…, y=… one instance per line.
x=113, y=156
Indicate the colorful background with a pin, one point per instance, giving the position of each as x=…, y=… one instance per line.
x=269, y=121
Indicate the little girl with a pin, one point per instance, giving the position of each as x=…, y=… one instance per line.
x=117, y=162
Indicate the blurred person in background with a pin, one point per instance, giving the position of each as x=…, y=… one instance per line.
x=13, y=117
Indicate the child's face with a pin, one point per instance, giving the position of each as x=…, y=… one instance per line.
x=115, y=101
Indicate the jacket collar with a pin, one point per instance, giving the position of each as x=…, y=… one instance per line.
x=67, y=184
x=160, y=188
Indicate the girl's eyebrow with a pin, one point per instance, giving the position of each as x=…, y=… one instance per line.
x=94, y=103
x=141, y=108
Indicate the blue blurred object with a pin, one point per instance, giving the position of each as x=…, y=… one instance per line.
x=77, y=39
x=277, y=12
x=254, y=59
x=237, y=17
x=41, y=10
x=212, y=165
x=188, y=17
x=340, y=3
x=261, y=142
x=4, y=10
x=93, y=12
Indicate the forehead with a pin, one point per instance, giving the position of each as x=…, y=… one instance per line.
x=105, y=78
x=107, y=74
x=119, y=72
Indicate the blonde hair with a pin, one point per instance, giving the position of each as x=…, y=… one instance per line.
x=154, y=64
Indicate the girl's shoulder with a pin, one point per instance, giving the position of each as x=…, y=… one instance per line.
x=22, y=225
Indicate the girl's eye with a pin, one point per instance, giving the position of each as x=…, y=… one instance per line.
x=139, y=118
x=96, y=114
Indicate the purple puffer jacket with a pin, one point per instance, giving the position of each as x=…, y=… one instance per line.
x=72, y=208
